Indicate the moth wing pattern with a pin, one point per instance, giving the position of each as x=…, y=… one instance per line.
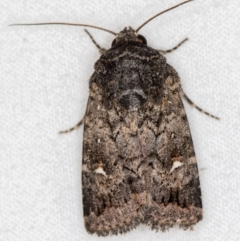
x=139, y=164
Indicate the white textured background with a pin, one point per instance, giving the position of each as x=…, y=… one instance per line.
x=44, y=74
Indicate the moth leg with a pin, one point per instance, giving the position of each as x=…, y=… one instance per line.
x=171, y=50
x=195, y=106
x=73, y=128
x=101, y=50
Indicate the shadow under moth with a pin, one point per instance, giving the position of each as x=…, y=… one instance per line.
x=139, y=164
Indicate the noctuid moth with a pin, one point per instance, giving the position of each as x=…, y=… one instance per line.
x=139, y=164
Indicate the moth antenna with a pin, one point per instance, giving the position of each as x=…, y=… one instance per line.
x=150, y=19
x=70, y=24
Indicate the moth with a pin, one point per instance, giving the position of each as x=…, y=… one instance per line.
x=139, y=164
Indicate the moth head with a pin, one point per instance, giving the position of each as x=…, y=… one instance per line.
x=128, y=34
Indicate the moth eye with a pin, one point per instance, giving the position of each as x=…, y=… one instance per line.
x=141, y=39
x=113, y=42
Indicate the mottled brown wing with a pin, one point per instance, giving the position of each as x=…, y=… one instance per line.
x=178, y=197
x=139, y=165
